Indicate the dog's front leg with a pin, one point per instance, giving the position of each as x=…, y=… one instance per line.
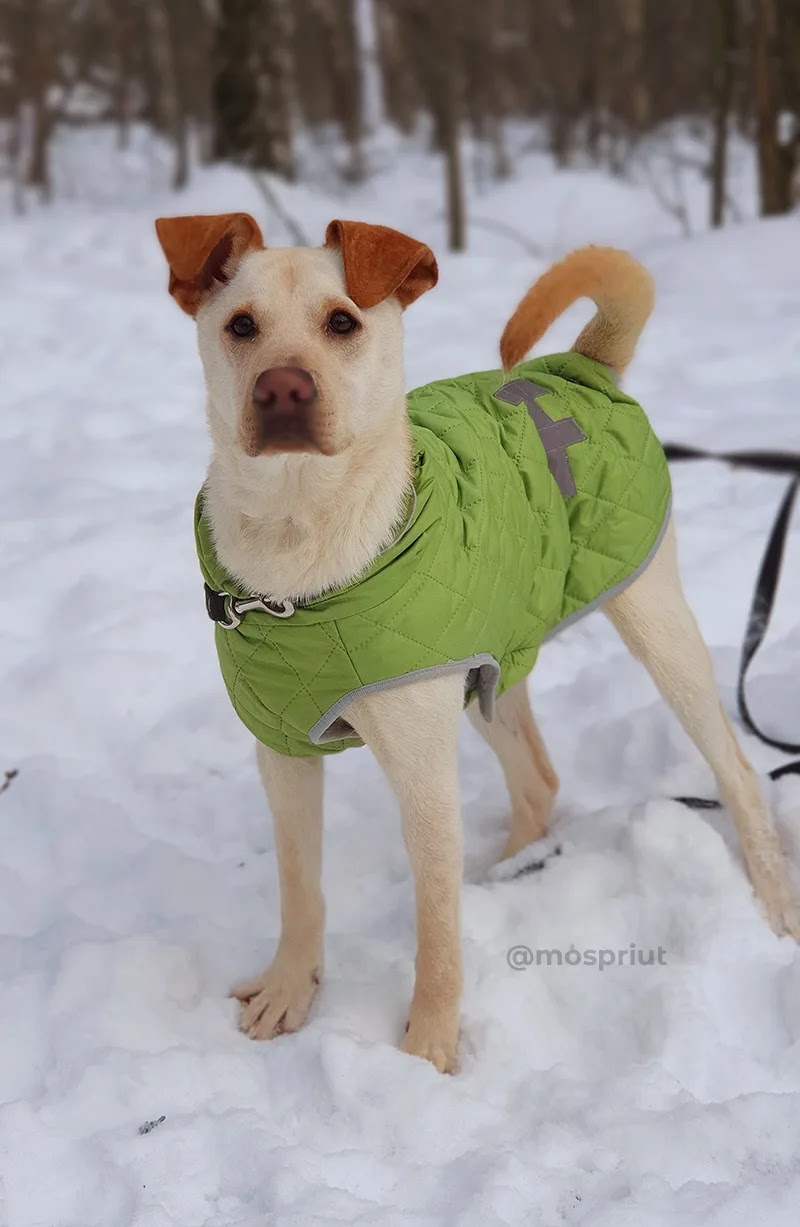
x=280, y=998
x=413, y=732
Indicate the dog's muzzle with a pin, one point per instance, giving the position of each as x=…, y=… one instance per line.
x=283, y=413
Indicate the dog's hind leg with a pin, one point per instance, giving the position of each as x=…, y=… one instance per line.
x=657, y=625
x=530, y=778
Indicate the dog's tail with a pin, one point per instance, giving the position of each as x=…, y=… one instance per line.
x=620, y=288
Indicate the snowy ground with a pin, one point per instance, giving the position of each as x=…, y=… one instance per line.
x=137, y=874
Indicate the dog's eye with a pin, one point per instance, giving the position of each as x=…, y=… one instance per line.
x=342, y=322
x=242, y=326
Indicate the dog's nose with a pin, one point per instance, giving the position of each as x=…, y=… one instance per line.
x=284, y=389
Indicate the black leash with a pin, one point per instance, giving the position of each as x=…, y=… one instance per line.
x=765, y=590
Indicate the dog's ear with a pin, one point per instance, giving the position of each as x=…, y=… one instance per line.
x=202, y=250
x=379, y=262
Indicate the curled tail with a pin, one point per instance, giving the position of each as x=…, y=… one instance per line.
x=621, y=289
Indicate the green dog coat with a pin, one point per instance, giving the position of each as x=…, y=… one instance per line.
x=537, y=494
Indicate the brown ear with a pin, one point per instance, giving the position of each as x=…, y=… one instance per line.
x=379, y=262
x=202, y=250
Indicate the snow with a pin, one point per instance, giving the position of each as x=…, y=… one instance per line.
x=137, y=871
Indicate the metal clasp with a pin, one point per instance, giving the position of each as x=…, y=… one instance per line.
x=236, y=607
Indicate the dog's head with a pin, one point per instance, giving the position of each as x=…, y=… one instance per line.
x=301, y=346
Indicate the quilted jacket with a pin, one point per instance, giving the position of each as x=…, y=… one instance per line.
x=537, y=494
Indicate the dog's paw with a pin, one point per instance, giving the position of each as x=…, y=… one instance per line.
x=529, y=859
x=277, y=1001
x=769, y=877
x=434, y=1037
x=783, y=915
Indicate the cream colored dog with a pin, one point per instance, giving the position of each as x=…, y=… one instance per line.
x=303, y=500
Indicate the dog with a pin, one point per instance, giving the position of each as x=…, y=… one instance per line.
x=313, y=483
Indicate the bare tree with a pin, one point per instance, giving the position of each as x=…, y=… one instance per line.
x=724, y=77
x=553, y=36
x=434, y=37
x=439, y=35
x=486, y=101
x=337, y=23
x=636, y=96
x=121, y=32
x=273, y=72
x=776, y=128
x=597, y=75
x=36, y=117
x=165, y=28
x=395, y=38
x=234, y=88
x=253, y=73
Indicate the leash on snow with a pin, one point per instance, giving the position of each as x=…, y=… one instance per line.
x=765, y=590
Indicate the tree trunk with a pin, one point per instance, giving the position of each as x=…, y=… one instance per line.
x=372, y=102
x=725, y=45
x=486, y=99
x=13, y=152
x=556, y=28
x=121, y=34
x=560, y=136
x=435, y=47
x=272, y=120
x=633, y=76
x=36, y=120
x=456, y=206
x=775, y=149
x=449, y=106
x=590, y=93
x=395, y=37
x=234, y=90
x=349, y=84
x=165, y=37
x=252, y=69
x=40, y=127
x=501, y=162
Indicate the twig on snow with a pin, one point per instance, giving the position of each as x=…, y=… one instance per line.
x=489, y=223
x=8, y=776
x=267, y=191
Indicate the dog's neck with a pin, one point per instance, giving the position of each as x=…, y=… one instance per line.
x=295, y=526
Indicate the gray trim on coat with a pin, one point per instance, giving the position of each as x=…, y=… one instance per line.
x=482, y=675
